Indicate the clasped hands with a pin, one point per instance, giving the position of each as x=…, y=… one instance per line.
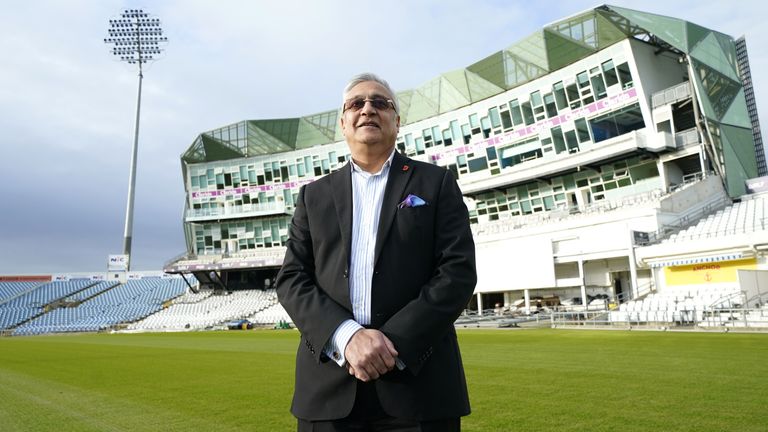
x=369, y=354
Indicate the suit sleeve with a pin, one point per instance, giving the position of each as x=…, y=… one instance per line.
x=424, y=320
x=316, y=315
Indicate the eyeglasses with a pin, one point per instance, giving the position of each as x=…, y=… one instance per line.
x=379, y=104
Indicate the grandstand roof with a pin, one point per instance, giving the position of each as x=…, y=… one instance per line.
x=555, y=46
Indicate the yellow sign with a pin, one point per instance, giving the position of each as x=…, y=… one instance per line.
x=706, y=273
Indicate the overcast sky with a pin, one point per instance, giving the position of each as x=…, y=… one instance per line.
x=67, y=106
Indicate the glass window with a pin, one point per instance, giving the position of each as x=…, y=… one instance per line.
x=559, y=92
x=495, y=119
x=506, y=120
x=478, y=164
x=570, y=139
x=558, y=140
x=436, y=134
x=485, y=122
x=466, y=133
x=598, y=85
x=419, y=145
x=573, y=96
x=582, y=130
x=549, y=103
x=447, y=137
x=527, y=113
x=514, y=109
x=536, y=98
x=610, y=73
x=455, y=130
x=474, y=121
x=491, y=152
x=409, y=142
x=617, y=123
x=625, y=76
x=582, y=79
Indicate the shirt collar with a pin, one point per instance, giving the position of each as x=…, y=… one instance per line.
x=385, y=167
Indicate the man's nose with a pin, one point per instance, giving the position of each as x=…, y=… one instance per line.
x=368, y=108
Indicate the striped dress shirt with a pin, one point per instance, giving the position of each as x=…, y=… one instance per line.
x=367, y=198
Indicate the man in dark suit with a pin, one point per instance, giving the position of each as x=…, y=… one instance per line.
x=380, y=262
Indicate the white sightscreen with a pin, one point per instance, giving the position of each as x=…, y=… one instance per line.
x=514, y=264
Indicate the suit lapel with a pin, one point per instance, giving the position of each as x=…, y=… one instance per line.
x=399, y=174
x=341, y=183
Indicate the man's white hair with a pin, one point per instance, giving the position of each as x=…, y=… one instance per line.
x=363, y=77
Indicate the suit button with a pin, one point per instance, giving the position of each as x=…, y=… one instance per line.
x=346, y=273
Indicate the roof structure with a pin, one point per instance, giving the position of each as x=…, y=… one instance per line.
x=711, y=55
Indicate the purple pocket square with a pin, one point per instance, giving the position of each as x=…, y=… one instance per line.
x=411, y=201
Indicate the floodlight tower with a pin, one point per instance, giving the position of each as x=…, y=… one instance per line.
x=136, y=39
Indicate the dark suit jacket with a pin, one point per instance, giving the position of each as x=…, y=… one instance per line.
x=424, y=275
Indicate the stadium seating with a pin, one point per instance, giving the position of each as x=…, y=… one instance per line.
x=32, y=302
x=744, y=216
x=106, y=305
x=10, y=290
x=687, y=306
x=208, y=310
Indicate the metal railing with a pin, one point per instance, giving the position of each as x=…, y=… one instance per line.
x=709, y=318
x=237, y=210
x=686, y=221
x=671, y=95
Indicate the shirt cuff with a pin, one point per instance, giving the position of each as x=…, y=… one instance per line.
x=399, y=363
x=335, y=347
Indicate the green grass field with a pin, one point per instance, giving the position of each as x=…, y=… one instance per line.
x=543, y=380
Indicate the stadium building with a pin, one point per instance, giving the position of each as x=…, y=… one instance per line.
x=579, y=150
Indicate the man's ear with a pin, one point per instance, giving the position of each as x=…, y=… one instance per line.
x=397, y=122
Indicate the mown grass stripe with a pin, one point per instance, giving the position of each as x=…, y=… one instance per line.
x=546, y=380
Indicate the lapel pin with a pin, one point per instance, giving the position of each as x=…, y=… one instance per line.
x=405, y=167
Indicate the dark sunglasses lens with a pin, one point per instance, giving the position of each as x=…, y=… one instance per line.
x=380, y=104
x=355, y=104
x=358, y=104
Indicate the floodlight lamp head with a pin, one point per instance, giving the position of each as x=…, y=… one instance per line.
x=136, y=38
